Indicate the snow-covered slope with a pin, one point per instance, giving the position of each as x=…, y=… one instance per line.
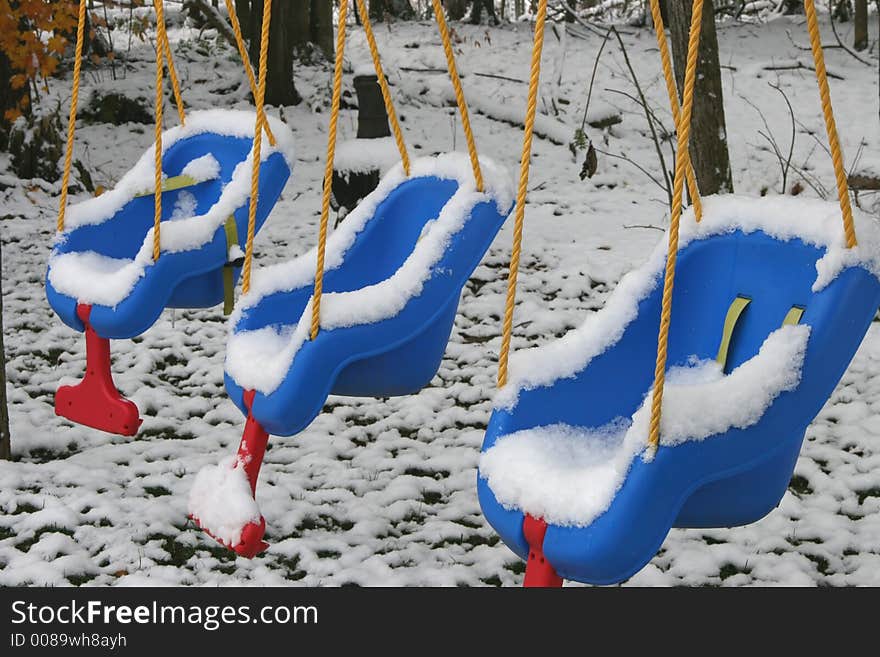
x=382, y=491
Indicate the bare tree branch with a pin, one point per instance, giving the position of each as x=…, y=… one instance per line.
x=645, y=106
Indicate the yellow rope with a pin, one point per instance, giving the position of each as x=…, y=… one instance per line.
x=684, y=133
x=71, y=121
x=157, y=146
x=259, y=100
x=666, y=63
x=248, y=69
x=383, y=85
x=459, y=93
x=525, y=161
x=162, y=36
x=328, y=169
x=830, y=124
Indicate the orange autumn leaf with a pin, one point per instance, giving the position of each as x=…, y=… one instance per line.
x=33, y=37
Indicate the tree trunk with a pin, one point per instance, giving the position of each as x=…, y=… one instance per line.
x=9, y=98
x=243, y=12
x=477, y=11
x=287, y=19
x=298, y=23
x=860, y=25
x=708, y=131
x=321, y=26
x=5, y=447
x=455, y=9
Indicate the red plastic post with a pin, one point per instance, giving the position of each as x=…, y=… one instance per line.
x=252, y=448
x=539, y=572
x=95, y=401
x=251, y=451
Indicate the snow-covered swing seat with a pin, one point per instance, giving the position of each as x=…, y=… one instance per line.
x=388, y=294
x=122, y=257
x=104, y=257
x=567, y=442
x=394, y=273
x=685, y=400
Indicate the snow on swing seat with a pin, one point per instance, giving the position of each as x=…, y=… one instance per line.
x=567, y=441
x=104, y=257
x=394, y=273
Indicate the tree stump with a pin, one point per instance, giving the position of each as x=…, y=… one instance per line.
x=349, y=187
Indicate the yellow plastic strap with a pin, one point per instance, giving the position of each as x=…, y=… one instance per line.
x=71, y=121
x=666, y=62
x=231, y=231
x=328, y=169
x=793, y=317
x=684, y=133
x=849, y=228
x=383, y=85
x=248, y=69
x=733, y=314
x=525, y=162
x=259, y=100
x=459, y=92
x=173, y=183
x=162, y=38
x=157, y=193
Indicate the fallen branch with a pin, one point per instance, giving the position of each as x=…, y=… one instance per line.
x=499, y=77
x=798, y=66
x=660, y=228
x=443, y=71
x=543, y=128
x=863, y=182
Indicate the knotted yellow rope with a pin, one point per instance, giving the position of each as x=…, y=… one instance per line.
x=525, y=161
x=830, y=124
x=666, y=63
x=71, y=120
x=157, y=146
x=162, y=36
x=259, y=100
x=684, y=133
x=248, y=69
x=383, y=85
x=328, y=168
x=459, y=92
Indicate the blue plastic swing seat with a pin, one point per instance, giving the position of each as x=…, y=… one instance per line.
x=728, y=479
x=396, y=354
x=108, y=236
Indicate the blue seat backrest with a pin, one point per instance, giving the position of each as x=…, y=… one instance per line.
x=383, y=245
x=775, y=275
x=123, y=235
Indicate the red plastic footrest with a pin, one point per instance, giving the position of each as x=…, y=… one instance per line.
x=250, y=455
x=251, y=542
x=95, y=401
x=539, y=572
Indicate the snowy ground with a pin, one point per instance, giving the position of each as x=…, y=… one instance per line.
x=382, y=491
